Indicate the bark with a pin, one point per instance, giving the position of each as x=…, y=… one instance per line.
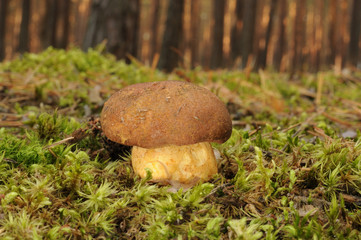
x=96, y=25
x=49, y=22
x=355, y=28
x=317, y=35
x=154, y=29
x=63, y=38
x=281, y=41
x=299, y=35
x=263, y=52
x=117, y=22
x=236, y=31
x=172, y=37
x=24, y=27
x=123, y=28
x=342, y=34
x=3, y=23
x=194, y=43
x=217, y=34
x=250, y=11
x=333, y=31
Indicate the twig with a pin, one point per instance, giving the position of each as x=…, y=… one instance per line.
x=217, y=188
x=267, y=134
x=332, y=118
x=319, y=89
x=321, y=202
x=243, y=123
x=351, y=199
x=11, y=124
x=322, y=133
x=277, y=150
x=353, y=103
x=76, y=136
x=303, y=126
x=318, y=202
x=59, y=142
x=291, y=127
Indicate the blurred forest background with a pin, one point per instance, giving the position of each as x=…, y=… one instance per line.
x=285, y=35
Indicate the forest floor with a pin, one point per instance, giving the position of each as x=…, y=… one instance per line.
x=291, y=169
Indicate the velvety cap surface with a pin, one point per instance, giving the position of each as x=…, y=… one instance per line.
x=157, y=114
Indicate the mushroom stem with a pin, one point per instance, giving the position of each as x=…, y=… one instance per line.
x=179, y=165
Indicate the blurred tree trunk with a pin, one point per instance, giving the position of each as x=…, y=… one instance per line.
x=124, y=32
x=333, y=31
x=64, y=7
x=49, y=22
x=281, y=39
x=236, y=31
x=355, y=28
x=217, y=34
x=299, y=35
x=95, y=32
x=262, y=58
x=3, y=23
x=249, y=19
x=116, y=21
x=24, y=27
x=56, y=24
x=154, y=29
x=194, y=43
x=172, y=37
x=316, y=36
x=341, y=35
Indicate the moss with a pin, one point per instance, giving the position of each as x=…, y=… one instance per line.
x=286, y=172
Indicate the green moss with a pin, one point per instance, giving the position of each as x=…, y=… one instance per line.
x=285, y=173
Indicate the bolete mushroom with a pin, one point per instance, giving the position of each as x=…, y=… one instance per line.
x=170, y=125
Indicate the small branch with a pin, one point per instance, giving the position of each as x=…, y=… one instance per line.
x=59, y=142
x=291, y=127
x=11, y=124
x=342, y=122
x=303, y=126
x=351, y=199
x=217, y=188
x=243, y=123
x=277, y=150
x=76, y=136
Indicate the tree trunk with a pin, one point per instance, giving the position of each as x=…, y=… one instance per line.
x=116, y=21
x=65, y=9
x=170, y=52
x=194, y=43
x=154, y=28
x=95, y=31
x=332, y=36
x=49, y=22
x=217, y=34
x=342, y=34
x=316, y=36
x=24, y=27
x=123, y=28
x=3, y=13
x=355, y=28
x=263, y=52
x=299, y=35
x=236, y=31
x=249, y=14
x=281, y=40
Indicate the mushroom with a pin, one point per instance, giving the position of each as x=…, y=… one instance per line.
x=170, y=125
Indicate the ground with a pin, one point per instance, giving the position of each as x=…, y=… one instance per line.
x=291, y=169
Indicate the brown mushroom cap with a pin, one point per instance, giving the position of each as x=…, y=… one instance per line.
x=157, y=114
